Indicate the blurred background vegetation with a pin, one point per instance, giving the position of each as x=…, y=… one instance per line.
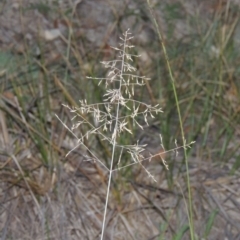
x=47, y=48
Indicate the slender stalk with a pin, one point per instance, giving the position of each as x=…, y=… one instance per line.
x=114, y=141
x=190, y=211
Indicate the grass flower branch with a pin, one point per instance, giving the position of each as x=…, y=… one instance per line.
x=110, y=120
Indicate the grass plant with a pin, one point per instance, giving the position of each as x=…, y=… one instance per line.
x=109, y=120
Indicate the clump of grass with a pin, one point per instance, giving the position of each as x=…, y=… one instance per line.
x=113, y=116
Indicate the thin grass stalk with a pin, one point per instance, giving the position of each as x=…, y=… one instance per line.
x=190, y=210
x=68, y=52
x=114, y=142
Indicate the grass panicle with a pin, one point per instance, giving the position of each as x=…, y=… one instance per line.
x=109, y=118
